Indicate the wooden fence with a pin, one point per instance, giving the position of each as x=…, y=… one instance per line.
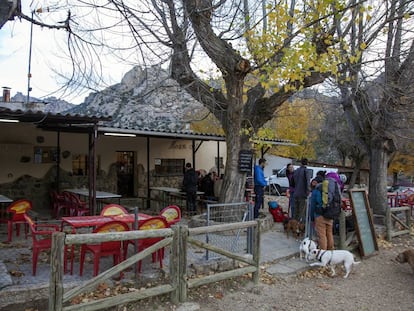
x=177, y=237
x=392, y=219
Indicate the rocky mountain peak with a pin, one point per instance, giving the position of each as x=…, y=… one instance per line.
x=144, y=99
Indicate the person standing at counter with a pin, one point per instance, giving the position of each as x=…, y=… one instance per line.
x=190, y=182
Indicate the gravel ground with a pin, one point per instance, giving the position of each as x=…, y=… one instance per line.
x=377, y=283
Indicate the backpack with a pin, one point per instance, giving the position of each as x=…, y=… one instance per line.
x=276, y=211
x=331, y=199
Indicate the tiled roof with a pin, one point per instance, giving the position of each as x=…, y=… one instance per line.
x=183, y=134
x=44, y=118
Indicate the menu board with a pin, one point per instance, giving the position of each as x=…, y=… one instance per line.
x=364, y=226
x=245, y=161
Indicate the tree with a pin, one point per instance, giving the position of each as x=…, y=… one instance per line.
x=261, y=66
x=378, y=109
x=297, y=120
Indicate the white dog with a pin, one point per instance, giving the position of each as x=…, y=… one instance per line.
x=305, y=247
x=332, y=258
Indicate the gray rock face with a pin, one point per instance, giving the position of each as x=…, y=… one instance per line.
x=145, y=99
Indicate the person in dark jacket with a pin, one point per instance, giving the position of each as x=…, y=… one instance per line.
x=289, y=174
x=190, y=187
x=301, y=177
x=259, y=185
x=207, y=186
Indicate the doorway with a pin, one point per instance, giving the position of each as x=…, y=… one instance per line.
x=125, y=171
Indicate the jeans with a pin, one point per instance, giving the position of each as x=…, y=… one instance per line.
x=191, y=202
x=259, y=191
x=300, y=209
x=291, y=205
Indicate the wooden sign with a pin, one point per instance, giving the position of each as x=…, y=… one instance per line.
x=245, y=161
x=364, y=226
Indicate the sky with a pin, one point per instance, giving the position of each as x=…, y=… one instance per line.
x=46, y=43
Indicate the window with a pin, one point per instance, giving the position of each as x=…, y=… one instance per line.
x=169, y=167
x=80, y=165
x=45, y=154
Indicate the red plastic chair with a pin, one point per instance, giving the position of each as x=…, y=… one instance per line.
x=58, y=204
x=41, y=237
x=77, y=207
x=112, y=248
x=17, y=210
x=172, y=214
x=156, y=222
x=113, y=210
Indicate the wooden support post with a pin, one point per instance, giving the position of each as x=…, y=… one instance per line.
x=388, y=223
x=408, y=218
x=175, y=264
x=182, y=263
x=56, y=271
x=256, y=252
x=342, y=230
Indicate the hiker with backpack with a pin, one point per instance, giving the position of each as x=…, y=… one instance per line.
x=325, y=207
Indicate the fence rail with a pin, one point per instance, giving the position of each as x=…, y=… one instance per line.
x=178, y=238
x=392, y=219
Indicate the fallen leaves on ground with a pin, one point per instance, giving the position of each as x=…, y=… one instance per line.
x=315, y=273
x=16, y=273
x=384, y=244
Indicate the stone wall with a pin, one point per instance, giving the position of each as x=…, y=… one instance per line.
x=37, y=189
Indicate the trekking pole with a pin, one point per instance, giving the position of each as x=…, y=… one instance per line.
x=308, y=222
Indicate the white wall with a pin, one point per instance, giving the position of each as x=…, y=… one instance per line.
x=19, y=139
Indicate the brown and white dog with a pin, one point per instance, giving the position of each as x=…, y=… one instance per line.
x=294, y=226
x=406, y=256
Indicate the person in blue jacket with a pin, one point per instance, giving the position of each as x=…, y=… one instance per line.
x=259, y=186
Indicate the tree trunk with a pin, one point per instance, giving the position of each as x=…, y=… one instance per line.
x=356, y=171
x=378, y=178
x=234, y=181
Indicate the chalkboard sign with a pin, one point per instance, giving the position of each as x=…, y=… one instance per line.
x=364, y=226
x=245, y=161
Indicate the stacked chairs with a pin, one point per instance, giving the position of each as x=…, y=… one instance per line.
x=113, y=210
x=172, y=214
x=77, y=207
x=59, y=204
